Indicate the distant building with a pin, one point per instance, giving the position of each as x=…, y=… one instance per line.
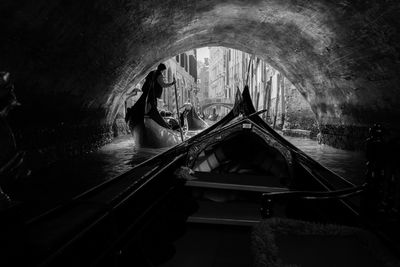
x=217, y=72
x=223, y=73
x=184, y=68
x=257, y=76
x=229, y=70
x=203, y=81
x=268, y=88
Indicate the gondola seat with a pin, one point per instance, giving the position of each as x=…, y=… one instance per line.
x=288, y=242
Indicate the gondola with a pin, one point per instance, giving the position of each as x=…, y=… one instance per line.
x=156, y=131
x=153, y=135
x=148, y=127
x=236, y=176
x=191, y=120
x=153, y=131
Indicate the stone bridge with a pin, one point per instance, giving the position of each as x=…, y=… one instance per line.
x=209, y=102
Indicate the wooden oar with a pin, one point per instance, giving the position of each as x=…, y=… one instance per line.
x=177, y=110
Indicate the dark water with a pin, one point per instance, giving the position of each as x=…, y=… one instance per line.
x=121, y=155
x=348, y=164
x=61, y=181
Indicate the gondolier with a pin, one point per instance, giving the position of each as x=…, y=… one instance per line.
x=147, y=125
x=154, y=85
x=147, y=103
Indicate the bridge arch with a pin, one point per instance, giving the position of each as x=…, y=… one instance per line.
x=210, y=102
x=226, y=105
x=341, y=55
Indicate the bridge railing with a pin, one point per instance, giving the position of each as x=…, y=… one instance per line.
x=217, y=101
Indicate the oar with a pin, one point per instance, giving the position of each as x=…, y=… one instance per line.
x=177, y=110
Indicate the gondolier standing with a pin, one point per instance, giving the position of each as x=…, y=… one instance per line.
x=157, y=78
x=148, y=127
x=147, y=103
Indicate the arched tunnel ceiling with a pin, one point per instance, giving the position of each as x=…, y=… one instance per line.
x=82, y=56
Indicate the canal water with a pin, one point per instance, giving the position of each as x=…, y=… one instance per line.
x=121, y=155
x=348, y=164
x=64, y=180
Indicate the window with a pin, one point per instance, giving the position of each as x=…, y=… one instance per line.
x=182, y=61
x=193, y=67
x=169, y=75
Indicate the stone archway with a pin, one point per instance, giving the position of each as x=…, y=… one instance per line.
x=82, y=57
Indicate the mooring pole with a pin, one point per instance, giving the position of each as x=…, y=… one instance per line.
x=177, y=110
x=248, y=69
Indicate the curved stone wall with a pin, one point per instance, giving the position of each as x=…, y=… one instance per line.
x=73, y=61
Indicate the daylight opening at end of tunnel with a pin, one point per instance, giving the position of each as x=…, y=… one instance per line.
x=207, y=80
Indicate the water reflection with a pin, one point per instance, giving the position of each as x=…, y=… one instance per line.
x=121, y=155
x=62, y=181
x=348, y=164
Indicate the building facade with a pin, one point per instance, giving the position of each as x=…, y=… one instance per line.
x=217, y=72
x=184, y=68
x=231, y=69
x=228, y=70
x=203, y=80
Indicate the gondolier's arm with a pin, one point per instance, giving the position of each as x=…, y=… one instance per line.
x=160, y=80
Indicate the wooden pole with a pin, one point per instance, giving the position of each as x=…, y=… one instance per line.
x=277, y=100
x=255, y=84
x=266, y=89
x=248, y=69
x=282, y=101
x=243, y=69
x=269, y=96
x=177, y=111
x=253, y=98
